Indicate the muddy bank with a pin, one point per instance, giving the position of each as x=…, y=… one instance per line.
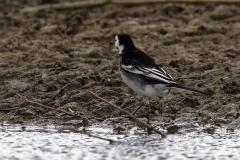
x=40, y=53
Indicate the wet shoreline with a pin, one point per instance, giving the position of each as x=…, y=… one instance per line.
x=55, y=57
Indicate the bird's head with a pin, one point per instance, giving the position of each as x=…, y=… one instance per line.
x=123, y=41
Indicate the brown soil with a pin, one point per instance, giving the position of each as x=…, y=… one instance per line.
x=41, y=52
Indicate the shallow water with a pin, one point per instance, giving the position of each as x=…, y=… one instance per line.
x=51, y=142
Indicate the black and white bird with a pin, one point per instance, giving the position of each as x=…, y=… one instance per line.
x=141, y=73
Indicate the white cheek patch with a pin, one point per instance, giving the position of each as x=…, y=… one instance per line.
x=116, y=42
x=119, y=47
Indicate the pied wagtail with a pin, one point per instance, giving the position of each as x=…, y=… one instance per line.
x=141, y=73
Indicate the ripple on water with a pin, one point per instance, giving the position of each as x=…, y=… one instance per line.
x=39, y=144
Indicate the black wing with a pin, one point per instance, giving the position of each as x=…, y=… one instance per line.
x=136, y=61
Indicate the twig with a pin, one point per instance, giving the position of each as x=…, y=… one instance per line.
x=9, y=109
x=140, y=2
x=44, y=106
x=95, y=136
x=83, y=131
x=87, y=4
x=59, y=91
x=66, y=5
x=130, y=115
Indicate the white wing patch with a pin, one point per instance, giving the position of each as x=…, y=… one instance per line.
x=151, y=73
x=132, y=69
x=162, y=71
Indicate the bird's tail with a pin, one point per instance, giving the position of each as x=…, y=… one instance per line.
x=174, y=85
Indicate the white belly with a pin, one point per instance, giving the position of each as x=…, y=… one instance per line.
x=145, y=90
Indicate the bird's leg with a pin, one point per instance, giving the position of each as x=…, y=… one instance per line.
x=146, y=102
x=136, y=110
